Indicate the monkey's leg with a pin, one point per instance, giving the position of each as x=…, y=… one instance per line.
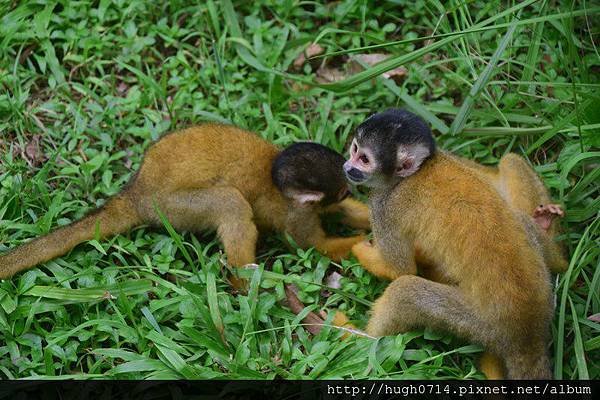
x=411, y=302
x=492, y=366
x=525, y=192
x=222, y=208
x=528, y=362
x=371, y=259
x=355, y=213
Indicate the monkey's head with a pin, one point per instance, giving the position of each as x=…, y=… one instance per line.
x=310, y=173
x=387, y=147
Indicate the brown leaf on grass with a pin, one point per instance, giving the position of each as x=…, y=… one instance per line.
x=594, y=317
x=315, y=323
x=122, y=88
x=26, y=53
x=128, y=161
x=32, y=153
x=333, y=280
x=356, y=65
x=327, y=74
x=311, y=51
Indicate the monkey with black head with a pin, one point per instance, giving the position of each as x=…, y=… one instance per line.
x=499, y=293
x=223, y=178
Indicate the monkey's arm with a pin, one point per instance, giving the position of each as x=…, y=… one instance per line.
x=338, y=248
x=355, y=213
x=304, y=226
x=371, y=259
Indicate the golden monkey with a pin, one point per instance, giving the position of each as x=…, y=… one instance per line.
x=525, y=193
x=499, y=293
x=223, y=178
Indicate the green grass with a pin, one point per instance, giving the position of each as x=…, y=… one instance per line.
x=94, y=82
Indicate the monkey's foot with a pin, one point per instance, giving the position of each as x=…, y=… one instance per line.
x=545, y=214
x=369, y=257
x=239, y=284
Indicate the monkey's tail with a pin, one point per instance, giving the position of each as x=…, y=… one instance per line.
x=117, y=215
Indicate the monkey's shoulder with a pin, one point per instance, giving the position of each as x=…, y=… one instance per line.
x=448, y=175
x=448, y=189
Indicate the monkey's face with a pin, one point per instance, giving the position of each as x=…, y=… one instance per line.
x=362, y=164
x=388, y=146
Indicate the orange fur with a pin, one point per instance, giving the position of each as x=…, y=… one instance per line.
x=480, y=244
x=523, y=190
x=205, y=177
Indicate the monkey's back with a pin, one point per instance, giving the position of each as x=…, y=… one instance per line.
x=207, y=156
x=489, y=254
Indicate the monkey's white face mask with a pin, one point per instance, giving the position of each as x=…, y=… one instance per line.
x=363, y=168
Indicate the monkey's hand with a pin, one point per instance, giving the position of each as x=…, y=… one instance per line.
x=545, y=214
x=355, y=214
x=238, y=283
x=338, y=248
x=370, y=258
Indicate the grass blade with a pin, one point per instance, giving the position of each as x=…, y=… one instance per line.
x=131, y=288
x=465, y=110
x=582, y=370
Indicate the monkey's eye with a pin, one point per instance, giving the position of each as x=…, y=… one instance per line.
x=364, y=159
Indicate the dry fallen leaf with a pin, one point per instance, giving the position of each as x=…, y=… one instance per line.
x=357, y=60
x=122, y=88
x=594, y=317
x=355, y=64
x=128, y=161
x=333, y=280
x=32, y=154
x=315, y=323
x=326, y=74
x=311, y=51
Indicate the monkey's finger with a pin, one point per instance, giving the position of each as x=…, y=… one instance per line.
x=556, y=209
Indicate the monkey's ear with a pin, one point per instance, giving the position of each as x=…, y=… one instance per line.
x=305, y=196
x=409, y=159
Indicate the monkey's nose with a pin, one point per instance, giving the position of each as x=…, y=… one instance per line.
x=347, y=166
x=355, y=176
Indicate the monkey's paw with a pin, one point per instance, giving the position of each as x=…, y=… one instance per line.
x=361, y=248
x=341, y=248
x=545, y=214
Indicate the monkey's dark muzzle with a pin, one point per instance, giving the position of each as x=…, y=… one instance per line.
x=354, y=175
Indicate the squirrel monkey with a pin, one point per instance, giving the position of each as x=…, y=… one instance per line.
x=224, y=178
x=499, y=293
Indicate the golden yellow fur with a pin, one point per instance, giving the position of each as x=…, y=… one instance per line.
x=500, y=295
x=206, y=177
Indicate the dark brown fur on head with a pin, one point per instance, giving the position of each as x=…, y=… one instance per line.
x=310, y=171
